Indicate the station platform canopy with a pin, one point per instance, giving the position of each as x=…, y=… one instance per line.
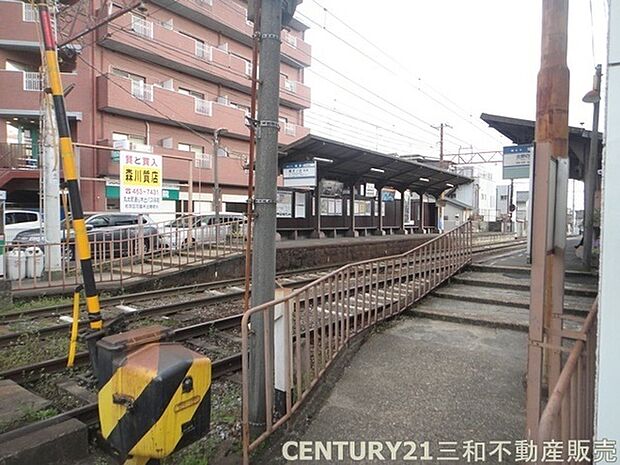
x=521, y=131
x=352, y=165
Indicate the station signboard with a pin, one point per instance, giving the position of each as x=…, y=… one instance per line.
x=141, y=182
x=516, y=161
x=299, y=174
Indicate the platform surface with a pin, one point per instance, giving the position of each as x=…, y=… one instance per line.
x=425, y=380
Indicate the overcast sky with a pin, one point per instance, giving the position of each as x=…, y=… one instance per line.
x=437, y=61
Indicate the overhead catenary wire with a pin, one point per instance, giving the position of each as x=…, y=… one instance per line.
x=385, y=53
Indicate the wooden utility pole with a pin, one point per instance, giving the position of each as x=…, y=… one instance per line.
x=550, y=187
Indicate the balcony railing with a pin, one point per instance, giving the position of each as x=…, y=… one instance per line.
x=203, y=51
x=142, y=91
x=203, y=107
x=32, y=81
x=289, y=85
x=290, y=129
x=141, y=26
x=30, y=14
x=17, y=157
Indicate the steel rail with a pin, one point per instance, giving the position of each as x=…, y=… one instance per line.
x=53, y=310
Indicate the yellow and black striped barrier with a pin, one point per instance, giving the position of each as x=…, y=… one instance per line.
x=157, y=397
x=69, y=169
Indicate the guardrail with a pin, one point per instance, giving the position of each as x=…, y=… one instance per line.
x=122, y=253
x=569, y=413
x=314, y=323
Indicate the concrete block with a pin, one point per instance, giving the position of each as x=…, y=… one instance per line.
x=59, y=444
x=15, y=401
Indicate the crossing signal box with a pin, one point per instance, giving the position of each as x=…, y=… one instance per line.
x=155, y=397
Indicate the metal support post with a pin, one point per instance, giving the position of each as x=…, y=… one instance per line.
x=352, y=232
x=591, y=171
x=401, y=229
x=548, y=209
x=317, y=234
x=264, y=240
x=217, y=198
x=421, y=212
x=379, y=231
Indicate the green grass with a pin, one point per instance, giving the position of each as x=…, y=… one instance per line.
x=28, y=415
x=31, y=349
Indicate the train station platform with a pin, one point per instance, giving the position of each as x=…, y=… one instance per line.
x=447, y=373
x=204, y=265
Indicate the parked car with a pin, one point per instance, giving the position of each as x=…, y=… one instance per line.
x=17, y=221
x=110, y=233
x=200, y=229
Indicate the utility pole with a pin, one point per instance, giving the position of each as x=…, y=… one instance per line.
x=264, y=240
x=51, y=187
x=548, y=210
x=594, y=96
x=216, y=182
x=442, y=200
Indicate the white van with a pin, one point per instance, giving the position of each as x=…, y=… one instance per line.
x=16, y=221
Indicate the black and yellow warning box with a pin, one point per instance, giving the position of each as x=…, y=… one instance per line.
x=155, y=397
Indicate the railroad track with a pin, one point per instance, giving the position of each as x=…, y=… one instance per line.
x=56, y=310
x=294, y=279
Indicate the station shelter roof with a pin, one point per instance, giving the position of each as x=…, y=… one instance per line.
x=351, y=165
x=521, y=131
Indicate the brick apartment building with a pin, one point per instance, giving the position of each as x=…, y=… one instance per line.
x=162, y=77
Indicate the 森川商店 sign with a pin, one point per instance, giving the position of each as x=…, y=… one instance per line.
x=141, y=182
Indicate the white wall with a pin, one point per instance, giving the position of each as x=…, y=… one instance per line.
x=608, y=382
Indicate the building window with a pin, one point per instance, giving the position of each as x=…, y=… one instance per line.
x=201, y=159
x=132, y=138
x=193, y=93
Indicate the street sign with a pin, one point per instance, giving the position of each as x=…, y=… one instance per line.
x=516, y=161
x=141, y=182
x=2, y=196
x=299, y=174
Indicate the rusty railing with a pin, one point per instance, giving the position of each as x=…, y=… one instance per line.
x=314, y=323
x=121, y=254
x=569, y=413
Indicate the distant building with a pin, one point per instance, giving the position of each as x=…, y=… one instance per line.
x=161, y=79
x=480, y=194
x=455, y=213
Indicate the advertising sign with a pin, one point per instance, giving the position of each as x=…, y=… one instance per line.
x=299, y=174
x=331, y=188
x=516, y=161
x=141, y=182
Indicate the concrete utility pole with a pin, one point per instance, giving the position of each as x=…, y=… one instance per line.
x=594, y=96
x=549, y=209
x=51, y=187
x=217, y=197
x=264, y=240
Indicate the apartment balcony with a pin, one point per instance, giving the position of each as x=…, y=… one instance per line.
x=289, y=133
x=230, y=19
x=18, y=28
x=20, y=93
x=178, y=164
x=145, y=101
x=17, y=161
x=296, y=94
x=151, y=41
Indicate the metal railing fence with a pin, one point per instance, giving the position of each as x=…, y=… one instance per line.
x=569, y=412
x=122, y=253
x=314, y=323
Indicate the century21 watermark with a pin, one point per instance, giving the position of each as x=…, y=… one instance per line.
x=525, y=451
